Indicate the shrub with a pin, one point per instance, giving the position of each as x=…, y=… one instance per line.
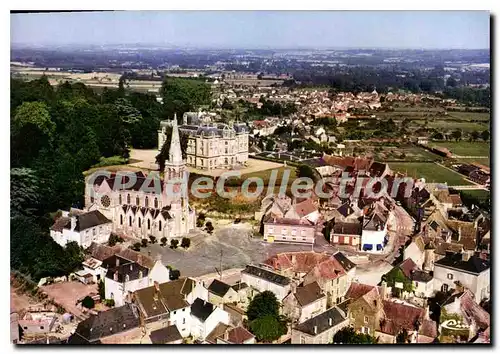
x=152, y=239
x=144, y=242
x=88, y=302
x=111, y=161
x=186, y=242
x=136, y=246
x=209, y=227
x=174, y=243
x=114, y=239
x=100, y=288
x=109, y=302
x=163, y=241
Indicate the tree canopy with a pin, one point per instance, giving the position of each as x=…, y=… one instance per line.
x=264, y=303
x=348, y=335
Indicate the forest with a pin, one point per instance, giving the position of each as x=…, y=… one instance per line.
x=56, y=134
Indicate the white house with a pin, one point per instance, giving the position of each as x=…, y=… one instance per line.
x=472, y=273
x=265, y=280
x=81, y=227
x=205, y=316
x=374, y=232
x=306, y=302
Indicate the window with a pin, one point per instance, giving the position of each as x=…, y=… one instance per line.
x=183, y=310
x=146, y=202
x=91, y=199
x=175, y=312
x=105, y=201
x=121, y=219
x=159, y=225
x=302, y=340
x=294, y=232
x=127, y=277
x=41, y=327
x=137, y=201
x=128, y=198
x=156, y=203
x=444, y=288
x=366, y=319
x=140, y=222
x=129, y=221
x=94, y=231
x=450, y=276
x=149, y=224
x=119, y=199
x=184, y=320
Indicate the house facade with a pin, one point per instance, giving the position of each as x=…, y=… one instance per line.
x=265, y=280
x=321, y=328
x=81, y=227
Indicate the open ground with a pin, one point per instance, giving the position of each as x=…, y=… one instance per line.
x=432, y=172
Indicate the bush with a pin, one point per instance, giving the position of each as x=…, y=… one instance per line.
x=174, y=243
x=111, y=161
x=152, y=239
x=209, y=227
x=175, y=274
x=100, y=288
x=88, y=302
x=144, y=242
x=163, y=241
x=114, y=239
x=186, y=242
x=136, y=246
x=109, y=302
x=201, y=220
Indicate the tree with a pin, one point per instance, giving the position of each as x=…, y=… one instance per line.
x=270, y=144
x=174, y=243
x=24, y=192
x=163, y=241
x=88, y=302
x=451, y=82
x=474, y=135
x=457, y=134
x=263, y=304
x=485, y=135
x=348, y=335
x=209, y=227
x=100, y=288
x=437, y=136
x=174, y=274
x=137, y=246
x=268, y=328
x=183, y=95
x=201, y=220
x=114, y=239
x=186, y=242
x=152, y=239
x=396, y=275
x=305, y=171
x=144, y=242
x=31, y=130
x=403, y=337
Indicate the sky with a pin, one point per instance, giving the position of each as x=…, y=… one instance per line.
x=258, y=29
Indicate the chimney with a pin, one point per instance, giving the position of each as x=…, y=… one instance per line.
x=465, y=256
x=315, y=329
x=115, y=276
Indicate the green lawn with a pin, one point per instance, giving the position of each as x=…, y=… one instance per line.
x=469, y=116
x=465, y=148
x=431, y=172
x=266, y=174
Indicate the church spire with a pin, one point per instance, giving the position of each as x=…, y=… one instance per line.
x=175, y=153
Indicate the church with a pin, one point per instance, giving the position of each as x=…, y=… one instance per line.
x=142, y=205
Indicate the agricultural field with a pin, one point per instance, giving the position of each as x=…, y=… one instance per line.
x=445, y=124
x=404, y=153
x=464, y=148
x=432, y=172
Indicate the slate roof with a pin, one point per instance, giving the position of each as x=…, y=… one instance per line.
x=473, y=265
x=219, y=288
x=322, y=321
x=217, y=332
x=165, y=335
x=267, y=275
x=91, y=219
x=344, y=261
x=131, y=269
x=107, y=323
x=421, y=276
x=202, y=309
x=308, y=294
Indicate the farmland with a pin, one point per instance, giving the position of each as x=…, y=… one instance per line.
x=464, y=148
x=432, y=173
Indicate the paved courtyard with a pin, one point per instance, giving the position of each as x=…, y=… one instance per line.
x=237, y=246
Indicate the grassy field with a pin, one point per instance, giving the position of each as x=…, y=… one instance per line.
x=464, y=148
x=431, y=172
x=469, y=116
x=265, y=175
x=482, y=161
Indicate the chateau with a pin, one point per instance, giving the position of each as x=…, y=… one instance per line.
x=141, y=205
x=210, y=145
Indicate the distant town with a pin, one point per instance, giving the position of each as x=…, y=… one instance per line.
x=390, y=246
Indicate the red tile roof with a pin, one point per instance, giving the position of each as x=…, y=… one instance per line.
x=400, y=316
x=356, y=290
x=239, y=335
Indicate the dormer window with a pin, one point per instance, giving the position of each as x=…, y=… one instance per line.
x=127, y=278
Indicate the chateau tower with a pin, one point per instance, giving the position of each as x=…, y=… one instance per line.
x=175, y=167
